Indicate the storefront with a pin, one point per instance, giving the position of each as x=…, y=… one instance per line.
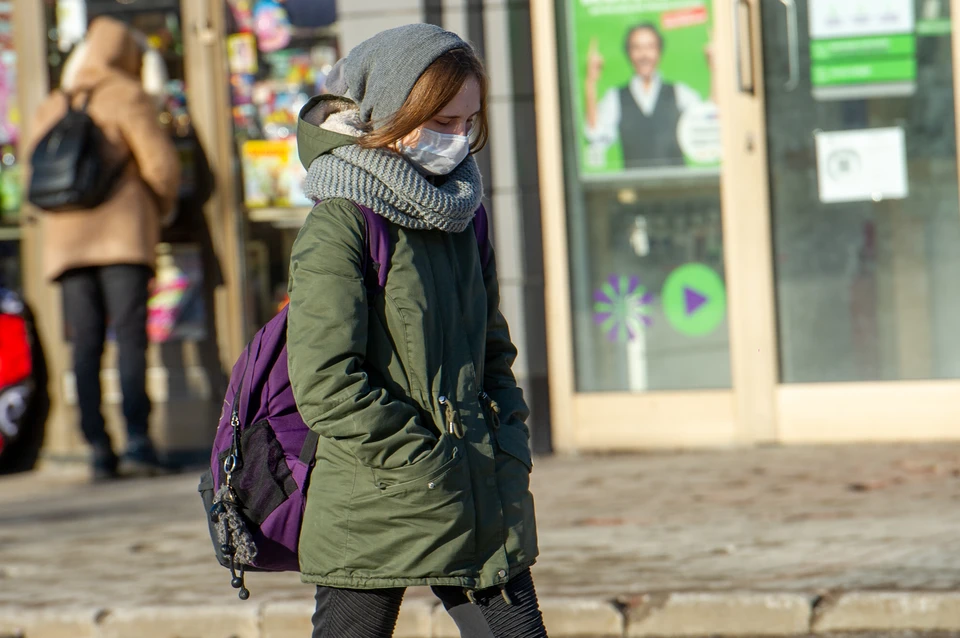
x=750, y=214
x=247, y=68
x=780, y=268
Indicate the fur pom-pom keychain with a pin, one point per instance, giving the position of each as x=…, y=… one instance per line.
x=235, y=539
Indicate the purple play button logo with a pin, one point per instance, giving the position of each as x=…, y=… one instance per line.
x=693, y=300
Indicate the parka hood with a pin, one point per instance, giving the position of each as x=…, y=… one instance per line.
x=327, y=122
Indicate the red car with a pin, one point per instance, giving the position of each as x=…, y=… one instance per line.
x=23, y=393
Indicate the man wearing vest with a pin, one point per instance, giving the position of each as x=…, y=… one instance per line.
x=642, y=115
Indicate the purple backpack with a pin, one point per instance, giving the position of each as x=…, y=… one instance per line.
x=255, y=489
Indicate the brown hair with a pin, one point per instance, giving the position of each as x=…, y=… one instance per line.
x=438, y=85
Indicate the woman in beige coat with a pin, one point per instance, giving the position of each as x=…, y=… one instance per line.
x=103, y=258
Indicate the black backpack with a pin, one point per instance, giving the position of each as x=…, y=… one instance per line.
x=69, y=166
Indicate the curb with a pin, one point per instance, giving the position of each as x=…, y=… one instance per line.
x=681, y=615
x=869, y=611
x=721, y=614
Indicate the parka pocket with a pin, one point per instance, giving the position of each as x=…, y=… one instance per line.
x=424, y=474
x=417, y=521
x=513, y=441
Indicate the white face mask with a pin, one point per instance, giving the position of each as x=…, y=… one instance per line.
x=436, y=153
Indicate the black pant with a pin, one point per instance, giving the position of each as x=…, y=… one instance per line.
x=372, y=613
x=94, y=298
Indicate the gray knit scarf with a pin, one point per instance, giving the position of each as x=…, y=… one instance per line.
x=385, y=182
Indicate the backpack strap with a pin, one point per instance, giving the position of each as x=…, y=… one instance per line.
x=70, y=95
x=308, y=453
x=86, y=101
x=377, y=240
x=377, y=252
x=481, y=228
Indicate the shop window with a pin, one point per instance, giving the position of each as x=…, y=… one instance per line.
x=863, y=180
x=278, y=56
x=642, y=155
x=10, y=178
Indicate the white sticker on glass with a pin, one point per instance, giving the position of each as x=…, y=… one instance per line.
x=863, y=165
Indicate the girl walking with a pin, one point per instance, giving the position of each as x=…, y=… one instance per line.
x=422, y=473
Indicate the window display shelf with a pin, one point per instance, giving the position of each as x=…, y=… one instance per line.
x=655, y=179
x=280, y=217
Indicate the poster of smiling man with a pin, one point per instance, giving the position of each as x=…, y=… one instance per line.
x=643, y=85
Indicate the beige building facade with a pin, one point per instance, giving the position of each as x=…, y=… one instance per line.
x=717, y=223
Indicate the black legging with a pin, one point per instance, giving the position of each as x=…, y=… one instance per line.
x=372, y=613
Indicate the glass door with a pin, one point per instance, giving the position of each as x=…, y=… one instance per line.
x=646, y=241
x=862, y=155
x=647, y=262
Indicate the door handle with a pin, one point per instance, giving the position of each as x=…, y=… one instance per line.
x=749, y=86
x=793, y=45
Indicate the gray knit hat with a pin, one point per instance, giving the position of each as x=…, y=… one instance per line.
x=380, y=72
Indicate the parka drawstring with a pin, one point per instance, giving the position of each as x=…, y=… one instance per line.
x=472, y=596
x=454, y=425
x=494, y=408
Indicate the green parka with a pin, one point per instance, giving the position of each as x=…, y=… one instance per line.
x=395, y=499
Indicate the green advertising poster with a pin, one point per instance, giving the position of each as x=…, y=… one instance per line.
x=643, y=96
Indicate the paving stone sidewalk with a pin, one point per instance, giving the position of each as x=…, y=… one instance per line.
x=783, y=541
